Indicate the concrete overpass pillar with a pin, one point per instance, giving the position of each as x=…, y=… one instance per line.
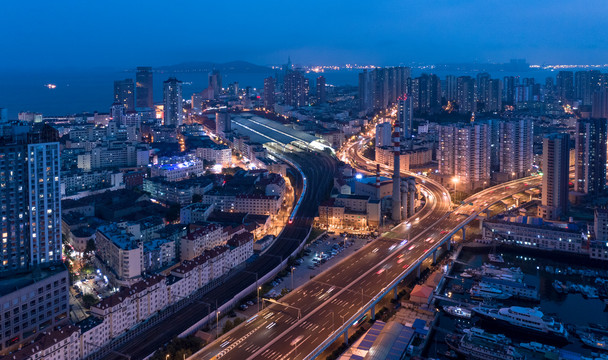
x=395, y=293
x=373, y=312
x=449, y=243
x=463, y=234
x=418, y=271
x=434, y=257
x=346, y=336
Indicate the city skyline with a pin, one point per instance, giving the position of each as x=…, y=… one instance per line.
x=389, y=33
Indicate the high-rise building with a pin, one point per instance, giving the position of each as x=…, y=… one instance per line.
x=366, y=103
x=508, y=90
x=599, y=109
x=223, y=126
x=464, y=153
x=451, y=88
x=427, y=98
x=3, y=115
x=172, y=94
x=405, y=113
x=321, y=92
x=586, y=83
x=382, y=87
x=215, y=83
x=32, y=275
x=515, y=147
x=383, y=134
x=269, y=93
x=29, y=172
x=565, y=86
x=466, y=94
x=555, y=167
x=144, y=85
x=296, y=89
x=124, y=93
x=590, y=161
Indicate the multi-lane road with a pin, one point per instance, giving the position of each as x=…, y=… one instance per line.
x=307, y=318
x=319, y=170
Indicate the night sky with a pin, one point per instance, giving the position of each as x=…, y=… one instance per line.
x=43, y=34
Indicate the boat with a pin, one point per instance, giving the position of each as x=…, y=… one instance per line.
x=485, y=291
x=524, y=318
x=589, y=291
x=512, y=273
x=595, y=341
x=559, y=287
x=458, y=311
x=496, y=258
x=538, y=347
x=475, y=343
x=466, y=275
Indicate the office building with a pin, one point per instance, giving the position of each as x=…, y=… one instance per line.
x=508, y=89
x=321, y=92
x=555, y=167
x=590, y=156
x=296, y=89
x=144, y=86
x=269, y=93
x=124, y=93
x=172, y=95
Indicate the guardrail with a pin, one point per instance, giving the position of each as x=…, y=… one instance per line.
x=385, y=290
x=272, y=273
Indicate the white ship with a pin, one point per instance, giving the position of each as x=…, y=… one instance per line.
x=531, y=319
x=485, y=291
x=458, y=311
x=477, y=344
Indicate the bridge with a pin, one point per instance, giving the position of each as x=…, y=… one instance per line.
x=328, y=304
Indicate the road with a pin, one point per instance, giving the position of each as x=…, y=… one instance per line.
x=319, y=170
x=312, y=313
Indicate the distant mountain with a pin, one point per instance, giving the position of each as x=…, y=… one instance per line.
x=206, y=66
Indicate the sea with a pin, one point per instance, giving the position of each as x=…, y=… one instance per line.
x=81, y=91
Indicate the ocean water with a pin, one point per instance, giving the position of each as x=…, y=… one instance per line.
x=88, y=91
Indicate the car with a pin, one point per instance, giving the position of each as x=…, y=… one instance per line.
x=443, y=232
x=311, y=267
x=412, y=247
x=243, y=307
x=250, y=303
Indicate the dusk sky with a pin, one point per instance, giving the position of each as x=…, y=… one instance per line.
x=41, y=34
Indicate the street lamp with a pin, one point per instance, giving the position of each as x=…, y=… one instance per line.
x=217, y=323
x=259, y=288
x=292, y=269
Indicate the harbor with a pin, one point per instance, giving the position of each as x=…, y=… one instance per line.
x=509, y=305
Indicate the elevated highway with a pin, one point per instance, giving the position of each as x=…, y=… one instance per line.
x=328, y=305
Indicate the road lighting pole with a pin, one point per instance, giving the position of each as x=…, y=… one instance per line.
x=259, y=288
x=292, y=269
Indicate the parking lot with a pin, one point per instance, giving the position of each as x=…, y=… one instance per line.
x=94, y=284
x=320, y=255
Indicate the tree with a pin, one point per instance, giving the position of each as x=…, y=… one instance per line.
x=197, y=198
x=173, y=212
x=89, y=300
x=90, y=248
